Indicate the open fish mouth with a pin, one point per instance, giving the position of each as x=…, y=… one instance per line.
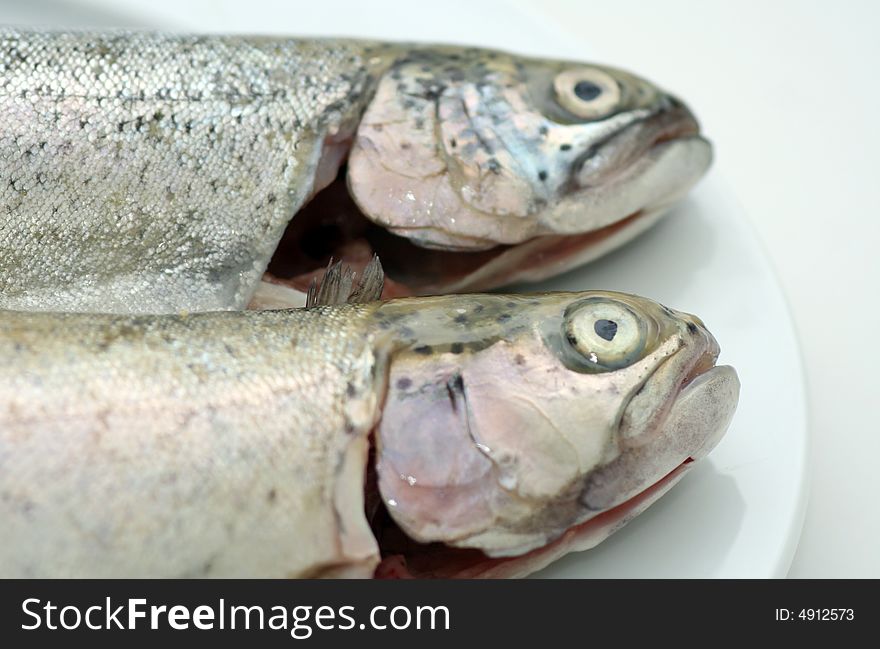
x=331, y=226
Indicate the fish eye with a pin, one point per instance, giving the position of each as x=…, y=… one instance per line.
x=607, y=334
x=587, y=93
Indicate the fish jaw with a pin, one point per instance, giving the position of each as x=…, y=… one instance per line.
x=511, y=467
x=579, y=538
x=700, y=416
x=652, y=184
x=473, y=163
x=566, y=195
x=695, y=425
x=533, y=260
x=543, y=257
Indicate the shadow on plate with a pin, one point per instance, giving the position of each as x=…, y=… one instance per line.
x=658, y=264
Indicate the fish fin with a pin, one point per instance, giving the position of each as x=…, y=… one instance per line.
x=341, y=285
x=372, y=282
x=334, y=287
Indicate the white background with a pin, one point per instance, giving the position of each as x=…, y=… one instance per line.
x=789, y=93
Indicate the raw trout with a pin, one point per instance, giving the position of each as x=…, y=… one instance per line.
x=151, y=173
x=506, y=430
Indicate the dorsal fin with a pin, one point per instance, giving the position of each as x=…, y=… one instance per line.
x=341, y=285
x=372, y=281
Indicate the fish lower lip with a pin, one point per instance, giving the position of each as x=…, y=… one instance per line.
x=679, y=131
x=710, y=398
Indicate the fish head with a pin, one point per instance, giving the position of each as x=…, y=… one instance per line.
x=470, y=149
x=516, y=419
x=492, y=169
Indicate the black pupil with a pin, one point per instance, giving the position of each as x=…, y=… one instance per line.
x=587, y=90
x=606, y=329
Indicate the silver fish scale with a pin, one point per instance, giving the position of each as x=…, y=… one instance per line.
x=109, y=142
x=215, y=444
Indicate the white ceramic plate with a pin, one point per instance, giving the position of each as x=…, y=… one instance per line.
x=737, y=514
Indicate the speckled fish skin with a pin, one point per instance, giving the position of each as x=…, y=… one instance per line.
x=236, y=443
x=155, y=173
x=226, y=444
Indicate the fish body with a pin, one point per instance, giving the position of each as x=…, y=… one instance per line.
x=156, y=173
x=239, y=443
x=225, y=444
x=151, y=173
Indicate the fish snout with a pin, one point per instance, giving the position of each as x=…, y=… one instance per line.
x=654, y=158
x=692, y=425
x=679, y=118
